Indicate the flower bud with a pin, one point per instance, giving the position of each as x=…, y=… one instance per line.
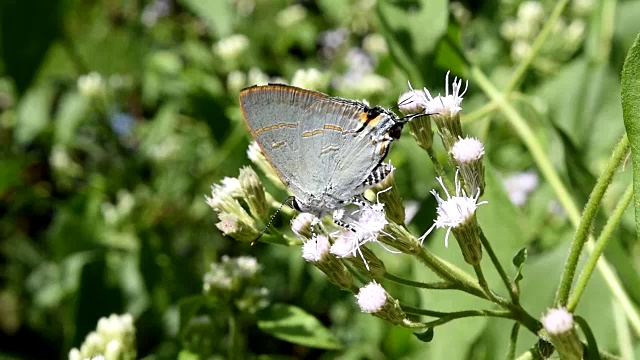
x=302, y=225
x=363, y=259
x=241, y=228
x=254, y=194
x=397, y=236
x=558, y=323
x=467, y=235
x=467, y=154
x=420, y=129
x=316, y=251
x=373, y=299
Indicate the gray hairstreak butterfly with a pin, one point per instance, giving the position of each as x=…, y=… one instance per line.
x=326, y=150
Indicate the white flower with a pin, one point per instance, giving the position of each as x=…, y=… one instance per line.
x=301, y=225
x=449, y=104
x=557, y=321
x=91, y=84
x=412, y=102
x=246, y=266
x=531, y=12
x=255, y=76
x=223, y=195
x=364, y=225
x=371, y=297
x=232, y=47
x=467, y=150
x=310, y=79
x=291, y=15
x=345, y=245
x=453, y=211
x=371, y=221
x=316, y=248
x=520, y=185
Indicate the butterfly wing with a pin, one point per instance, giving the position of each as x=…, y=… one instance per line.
x=274, y=114
x=357, y=149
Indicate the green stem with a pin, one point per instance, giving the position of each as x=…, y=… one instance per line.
x=528, y=137
x=479, y=113
x=441, y=285
x=484, y=285
x=540, y=40
x=450, y=273
x=448, y=316
x=625, y=340
x=601, y=244
x=234, y=336
x=513, y=341
x=586, y=221
x=468, y=313
x=496, y=262
x=439, y=169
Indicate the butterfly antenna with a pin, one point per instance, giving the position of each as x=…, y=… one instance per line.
x=286, y=202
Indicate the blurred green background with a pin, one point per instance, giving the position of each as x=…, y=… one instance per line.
x=117, y=116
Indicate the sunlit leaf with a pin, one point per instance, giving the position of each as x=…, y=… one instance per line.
x=292, y=324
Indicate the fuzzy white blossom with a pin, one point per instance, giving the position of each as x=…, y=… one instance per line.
x=467, y=150
x=371, y=297
x=557, y=320
x=316, y=249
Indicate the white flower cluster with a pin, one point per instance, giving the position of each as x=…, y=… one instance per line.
x=565, y=38
x=113, y=339
x=237, y=278
x=416, y=101
x=230, y=273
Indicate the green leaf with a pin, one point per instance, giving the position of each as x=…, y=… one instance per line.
x=520, y=258
x=631, y=114
x=292, y=324
x=426, y=336
x=73, y=109
x=518, y=262
x=26, y=35
x=448, y=55
x=592, y=346
x=33, y=113
x=413, y=29
x=218, y=14
x=187, y=355
x=189, y=307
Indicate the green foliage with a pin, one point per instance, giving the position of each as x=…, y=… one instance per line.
x=295, y=325
x=631, y=113
x=117, y=117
